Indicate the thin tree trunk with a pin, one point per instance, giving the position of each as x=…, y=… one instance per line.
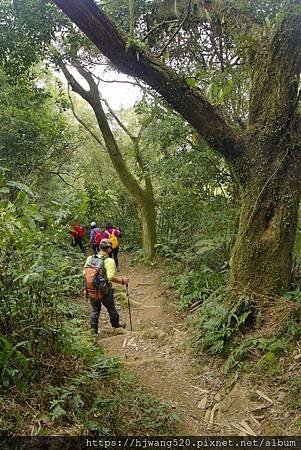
x=148, y=223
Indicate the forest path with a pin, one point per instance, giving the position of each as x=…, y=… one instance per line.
x=158, y=352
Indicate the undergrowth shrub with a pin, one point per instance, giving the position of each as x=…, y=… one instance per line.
x=107, y=401
x=272, y=338
x=197, y=284
x=201, y=268
x=41, y=272
x=218, y=319
x=266, y=351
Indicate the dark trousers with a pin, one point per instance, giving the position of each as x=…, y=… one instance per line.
x=95, y=248
x=114, y=255
x=79, y=241
x=108, y=302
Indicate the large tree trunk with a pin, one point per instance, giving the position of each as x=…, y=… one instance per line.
x=263, y=253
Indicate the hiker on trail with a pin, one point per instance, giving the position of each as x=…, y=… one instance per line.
x=95, y=237
x=77, y=235
x=101, y=292
x=114, y=235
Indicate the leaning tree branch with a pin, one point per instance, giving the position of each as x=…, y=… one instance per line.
x=93, y=98
x=94, y=90
x=134, y=61
x=96, y=103
x=83, y=124
x=120, y=123
x=73, y=82
x=135, y=140
x=62, y=178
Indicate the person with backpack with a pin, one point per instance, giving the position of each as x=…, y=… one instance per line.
x=77, y=235
x=99, y=273
x=114, y=235
x=95, y=237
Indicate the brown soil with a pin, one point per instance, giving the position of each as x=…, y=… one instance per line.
x=158, y=352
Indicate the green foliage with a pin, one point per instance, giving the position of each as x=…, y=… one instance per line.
x=269, y=350
x=193, y=187
x=196, y=201
x=26, y=27
x=220, y=318
x=36, y=139
x=112, y=407
x=294, y=295
x=196, y=284
x=14, y=366
x=38, y=276
x=42, y=341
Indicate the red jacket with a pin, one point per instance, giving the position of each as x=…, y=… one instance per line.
x=78, y=230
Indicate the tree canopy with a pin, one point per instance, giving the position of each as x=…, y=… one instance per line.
x=264, y=149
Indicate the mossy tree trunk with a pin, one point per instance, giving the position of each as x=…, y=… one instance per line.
x=148, y=220
x=271, y=161
x=263, y=252
x=265, y=157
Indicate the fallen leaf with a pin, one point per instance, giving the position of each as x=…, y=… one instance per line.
x=262, y=395
x=203, y=403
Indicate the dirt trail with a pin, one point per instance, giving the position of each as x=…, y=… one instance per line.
x=157, y=351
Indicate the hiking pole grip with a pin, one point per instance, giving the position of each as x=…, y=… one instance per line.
x=129, y=306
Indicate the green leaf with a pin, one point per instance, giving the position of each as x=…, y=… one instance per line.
x=26, y=278
x=192, y=82
x=57, y=412
x=21, y=187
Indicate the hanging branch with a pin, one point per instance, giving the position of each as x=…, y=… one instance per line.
x=84, y=125
x=60, y=176
x=115, y=81
x=131, y=18
x=177, y=30
x=164, y=22
x=121, y=124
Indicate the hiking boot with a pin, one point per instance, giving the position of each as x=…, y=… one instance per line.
x=121, y=325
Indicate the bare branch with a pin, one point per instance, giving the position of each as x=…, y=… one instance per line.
x=115, y=81
x=60, y=176
x=121, y=124
x=84, y=125
x=177, y=30
x=164, y=22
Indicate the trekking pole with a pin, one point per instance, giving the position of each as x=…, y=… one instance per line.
x=129, y=306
